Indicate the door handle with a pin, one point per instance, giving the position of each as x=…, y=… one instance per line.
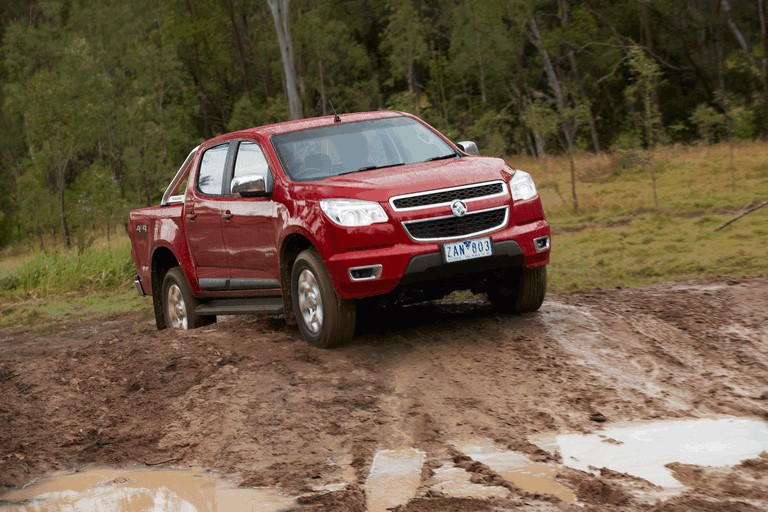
x=192, y=216
x=226, y=215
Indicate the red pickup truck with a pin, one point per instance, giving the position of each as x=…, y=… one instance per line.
x=309, y=217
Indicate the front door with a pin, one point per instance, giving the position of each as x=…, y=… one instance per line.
x=250, y=227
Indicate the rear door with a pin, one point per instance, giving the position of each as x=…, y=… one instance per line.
x=250, y=226
x=202, y=218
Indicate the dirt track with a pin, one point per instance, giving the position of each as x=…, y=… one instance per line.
x=248, y=397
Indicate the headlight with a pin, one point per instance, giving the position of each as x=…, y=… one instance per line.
x=353, y=212
x=522, y=186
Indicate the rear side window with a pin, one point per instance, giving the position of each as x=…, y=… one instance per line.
x=250, y=160
x=211, y=175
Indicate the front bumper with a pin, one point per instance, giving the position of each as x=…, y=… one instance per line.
x=411, y=263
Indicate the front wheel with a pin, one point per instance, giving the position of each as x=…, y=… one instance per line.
x=179, y=304
x=325, y=319
x=520, y=291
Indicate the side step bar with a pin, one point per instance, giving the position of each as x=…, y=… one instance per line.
x=241, y=306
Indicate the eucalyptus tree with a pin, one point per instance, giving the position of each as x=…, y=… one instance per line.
x=281, y=14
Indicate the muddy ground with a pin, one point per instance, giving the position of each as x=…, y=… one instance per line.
x=249, y=398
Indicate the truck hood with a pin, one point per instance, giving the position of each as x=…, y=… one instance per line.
x=381, y=184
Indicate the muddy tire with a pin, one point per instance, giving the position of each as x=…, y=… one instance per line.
x=179, y=304
x=325, y=320
x=521, y=291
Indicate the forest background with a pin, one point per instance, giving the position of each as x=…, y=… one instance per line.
x=102, y=99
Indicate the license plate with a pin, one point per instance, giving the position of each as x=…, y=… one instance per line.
x=467, y=249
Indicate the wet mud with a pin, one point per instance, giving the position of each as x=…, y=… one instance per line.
x=482, y=404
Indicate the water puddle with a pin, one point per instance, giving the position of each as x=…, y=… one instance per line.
x=531, y=477
x=394, y=478
x=141, y=490
x=344, y=477
x=455, y=483
x=644, y=449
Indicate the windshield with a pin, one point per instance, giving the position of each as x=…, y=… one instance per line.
x=356, y=147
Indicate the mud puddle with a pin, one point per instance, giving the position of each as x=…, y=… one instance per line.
x=456, y=483
x=643, y=450
x=531, y=477
x=138, y=490
x=394, y=478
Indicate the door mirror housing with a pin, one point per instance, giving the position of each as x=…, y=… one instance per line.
x=468, y=147
x=252, y=185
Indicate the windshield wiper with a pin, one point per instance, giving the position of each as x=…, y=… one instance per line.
x=443, y=157
x=372, y=167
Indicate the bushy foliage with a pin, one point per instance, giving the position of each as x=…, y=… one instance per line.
x=107, y=97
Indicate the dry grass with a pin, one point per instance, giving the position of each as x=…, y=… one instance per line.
x=619, y=238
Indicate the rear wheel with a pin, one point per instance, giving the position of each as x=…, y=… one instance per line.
x=325, y=319
x=520, y=291
x=179, y=304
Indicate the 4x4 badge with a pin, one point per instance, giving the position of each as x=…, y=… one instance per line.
x=458, y=208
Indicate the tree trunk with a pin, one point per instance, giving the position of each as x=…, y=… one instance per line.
x=197, y=77
x=763, y=31
x=239, y=45
x=543, y=158
x=745, y=45
x=574, y=197
x=280, y=13
x=63, y=211
x=479, y=54
x=583, y=96
x=323, y=97
x=567, y=123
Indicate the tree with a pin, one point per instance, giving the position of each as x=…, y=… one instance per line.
x=568, y=115
x=60, y=116
x=281, y=15
x=641, y=93
x=334, y=65
x=404, y=43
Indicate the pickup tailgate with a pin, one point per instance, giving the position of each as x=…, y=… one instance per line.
x=148, y=228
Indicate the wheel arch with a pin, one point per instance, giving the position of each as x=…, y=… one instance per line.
x=163, y=260
x=291, y=247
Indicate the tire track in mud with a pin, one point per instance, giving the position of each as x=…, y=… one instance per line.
x=248, y=397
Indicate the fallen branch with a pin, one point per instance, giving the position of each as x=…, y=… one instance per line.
x=745, y=212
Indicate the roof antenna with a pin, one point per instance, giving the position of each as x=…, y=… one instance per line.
x=336, y=118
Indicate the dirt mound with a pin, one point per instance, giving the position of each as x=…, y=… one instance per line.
x=250, y=398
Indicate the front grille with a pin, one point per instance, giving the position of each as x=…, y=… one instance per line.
x=455, y=227
x=443, y=197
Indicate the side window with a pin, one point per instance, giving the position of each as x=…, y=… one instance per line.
x=250, y=160
x=211, y=176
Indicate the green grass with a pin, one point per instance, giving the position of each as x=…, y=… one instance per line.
x=617, y=239
x=43, y=312
x=43, y=288
x=58, y=270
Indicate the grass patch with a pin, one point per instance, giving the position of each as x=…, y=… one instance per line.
x=618, y=238
x=44, y=288
x=40, y=313
x=59, y=271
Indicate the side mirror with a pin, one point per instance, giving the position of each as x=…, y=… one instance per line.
x=251, y=185
x=468, y=147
